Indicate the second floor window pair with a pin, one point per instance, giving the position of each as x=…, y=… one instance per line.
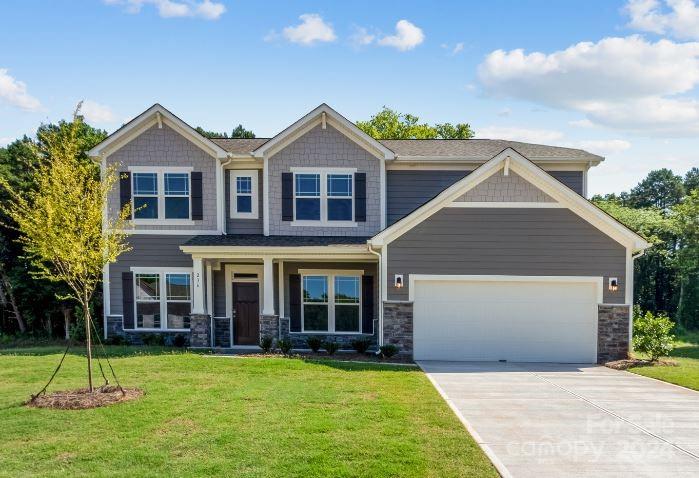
x=161, y=196
x=323, y=197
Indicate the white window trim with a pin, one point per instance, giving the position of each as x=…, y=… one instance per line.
x=162, y=272
x=323, y=172
x=160, y=171
x=251, y=173
x=330, y=275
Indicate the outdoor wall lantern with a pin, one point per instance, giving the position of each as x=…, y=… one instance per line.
x=613, y=284
x=398, y=281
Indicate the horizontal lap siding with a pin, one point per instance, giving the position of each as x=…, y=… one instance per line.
x=572, y=179
x=507, y=241
x=147, y=251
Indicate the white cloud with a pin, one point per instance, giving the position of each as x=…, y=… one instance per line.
x=407, y=36
x=361, y=37
x=625, y=83
x=94, y=112
x=582, y=123
x=513, y=133
x=603, y=147
x=206, y=9
x=453, y=50
x=312, y=29
x=15, y=92
x=5, y=141
x=504, y=112
x=679, y=18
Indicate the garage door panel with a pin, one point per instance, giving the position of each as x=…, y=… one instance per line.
x=515, y=321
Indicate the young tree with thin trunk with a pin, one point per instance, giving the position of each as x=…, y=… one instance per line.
x=61, y=224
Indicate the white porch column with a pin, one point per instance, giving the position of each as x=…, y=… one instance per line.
x=268, y=289
x=281, y=289
x=209, y=290
x=198, y=287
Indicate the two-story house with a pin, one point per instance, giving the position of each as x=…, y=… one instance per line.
x=450, y=249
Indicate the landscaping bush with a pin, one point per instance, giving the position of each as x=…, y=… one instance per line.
x=652, y=334
x=153, y=339
x=388, y=350
x=116, y=340
x=179, y=341
x=285, y=346
x=361, y=345
x=331, y=346
x=266, y=343
x=314, y=343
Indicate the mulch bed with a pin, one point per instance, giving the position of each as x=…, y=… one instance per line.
x=81, y=399
x=628, y=363
x=340, y=356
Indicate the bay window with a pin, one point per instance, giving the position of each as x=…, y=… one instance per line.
x=330, y=302
x=163, y=299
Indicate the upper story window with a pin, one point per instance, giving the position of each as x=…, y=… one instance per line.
x=244, y=195
x=162, y=194
x=163, y=299
x=325, y=197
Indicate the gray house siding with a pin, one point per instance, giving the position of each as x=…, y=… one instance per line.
x=147, y=251
x=408, y=190
x=219, y=291
x=165, y=147
x=507, y=241
x=244, y=226
x=324, y=148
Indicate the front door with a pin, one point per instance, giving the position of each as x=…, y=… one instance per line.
x=246, y=308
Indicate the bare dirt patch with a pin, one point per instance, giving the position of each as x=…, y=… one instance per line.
x=633, y=362
x=81, y=399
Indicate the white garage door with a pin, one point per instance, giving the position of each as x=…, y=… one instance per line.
x=516, y=319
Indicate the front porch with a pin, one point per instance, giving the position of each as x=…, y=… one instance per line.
x=241, y=294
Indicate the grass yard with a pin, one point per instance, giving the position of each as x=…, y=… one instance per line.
x=686, y=354
x=243, y=417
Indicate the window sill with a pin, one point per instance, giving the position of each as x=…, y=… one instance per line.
x=244, y=216
x=163, y=222
x=324, y=223
x=319, y=332
x=158, y=330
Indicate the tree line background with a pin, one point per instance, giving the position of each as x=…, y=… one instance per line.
x=663, y=207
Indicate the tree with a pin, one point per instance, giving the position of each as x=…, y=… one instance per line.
x=60, y=219
x=238, y=132
x=661, y=188
x=686, y=219
x=691, y=180
x=390, y=124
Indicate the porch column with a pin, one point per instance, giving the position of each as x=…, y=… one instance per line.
x=268, y=303
x=198, y=287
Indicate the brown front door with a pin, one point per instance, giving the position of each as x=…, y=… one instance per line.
x=246, y=305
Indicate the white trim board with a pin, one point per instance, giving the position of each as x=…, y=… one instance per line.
x=506, y=204
x=529, y=172
x=413, y=278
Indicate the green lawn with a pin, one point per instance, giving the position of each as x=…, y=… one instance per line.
x=243, y=417
x=687, y=372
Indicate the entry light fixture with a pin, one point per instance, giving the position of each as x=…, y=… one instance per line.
x=398, y=281
x=613, y=284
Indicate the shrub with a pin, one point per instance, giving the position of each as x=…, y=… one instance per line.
x=652, y=334
x=331, y=346
x=116, y=340
x=285, y=346
x=153, y=339
x=314, y=343
x=266, y=343
x=388, y=350
x=361, y=345
x=179, y=341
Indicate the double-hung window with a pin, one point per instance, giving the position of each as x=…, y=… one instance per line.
x=163, y=300
x=161, y=194
x=324, y=196
x=244, y=196
x=330, y=302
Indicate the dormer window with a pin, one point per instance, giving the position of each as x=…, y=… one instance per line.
x=244, y=198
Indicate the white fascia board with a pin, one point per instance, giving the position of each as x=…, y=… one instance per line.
x=352, y=252
x=149, y=118
x=314, y=118
x=531, y=173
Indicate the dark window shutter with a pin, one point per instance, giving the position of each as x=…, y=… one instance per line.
x=295, y=302
x=287, y=196
x=127, y=299
x=197, y=196
x=360, y=197
x=367, y=304
x=124, y=190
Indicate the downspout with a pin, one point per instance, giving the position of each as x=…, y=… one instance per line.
x=380, y=334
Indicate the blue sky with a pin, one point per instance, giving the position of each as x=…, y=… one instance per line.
x=614, y=77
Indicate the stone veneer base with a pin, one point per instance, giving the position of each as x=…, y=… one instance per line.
x=612, y=332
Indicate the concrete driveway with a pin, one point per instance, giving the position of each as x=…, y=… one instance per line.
x=555, y=420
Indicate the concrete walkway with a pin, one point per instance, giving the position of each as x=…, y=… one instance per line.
x=554, y=420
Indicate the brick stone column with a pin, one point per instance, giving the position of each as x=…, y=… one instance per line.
x=398, y=325
x=612, y=332
x=200, y=328
x=269, y=326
